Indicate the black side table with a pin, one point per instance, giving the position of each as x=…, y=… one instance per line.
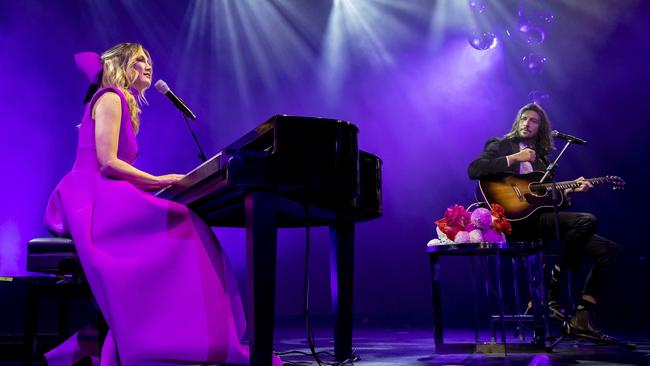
x=532, y=251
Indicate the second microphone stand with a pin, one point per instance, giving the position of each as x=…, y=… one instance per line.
x=196, y=141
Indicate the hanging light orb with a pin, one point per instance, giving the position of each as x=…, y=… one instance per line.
x=547, y=17
x=538, y=97
x=478, y=6
x=482, y=40
x=532, y=34
x=534, y=63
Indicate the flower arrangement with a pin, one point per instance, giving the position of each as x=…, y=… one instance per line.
x=481, y=225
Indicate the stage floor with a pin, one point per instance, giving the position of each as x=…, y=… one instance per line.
x=406, y=346
x=414, y=346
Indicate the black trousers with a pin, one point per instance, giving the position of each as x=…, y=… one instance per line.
x=579, y=239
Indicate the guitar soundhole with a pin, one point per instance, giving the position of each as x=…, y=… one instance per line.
x=537, y=190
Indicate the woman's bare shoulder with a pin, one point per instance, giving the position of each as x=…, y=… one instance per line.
x=109, y=100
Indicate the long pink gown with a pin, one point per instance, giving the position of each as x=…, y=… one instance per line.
x=158, y=273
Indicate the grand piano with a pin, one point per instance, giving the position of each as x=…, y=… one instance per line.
x=288, y=172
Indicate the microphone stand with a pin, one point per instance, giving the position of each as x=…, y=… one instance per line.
x=551, y=168
x=196, y=141
x=555, y=197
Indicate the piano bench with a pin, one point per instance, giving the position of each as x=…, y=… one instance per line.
x=57, y=259
x=53, y=256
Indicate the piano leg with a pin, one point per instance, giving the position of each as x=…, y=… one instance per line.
x=261, y=245
x=341, y=269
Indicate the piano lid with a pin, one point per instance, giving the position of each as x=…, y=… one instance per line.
x=282, y=122
x=305, y=159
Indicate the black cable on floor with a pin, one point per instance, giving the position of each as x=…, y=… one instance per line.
x=309, y=330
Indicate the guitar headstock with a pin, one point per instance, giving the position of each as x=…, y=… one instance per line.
x=615, y=181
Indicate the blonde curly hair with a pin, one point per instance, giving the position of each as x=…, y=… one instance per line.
x=119, y=72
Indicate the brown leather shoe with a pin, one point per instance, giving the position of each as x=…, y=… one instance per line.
x=581, y=324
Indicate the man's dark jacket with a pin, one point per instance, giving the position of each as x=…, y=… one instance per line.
x=492, y=161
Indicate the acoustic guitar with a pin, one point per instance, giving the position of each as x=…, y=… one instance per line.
x=522, y=195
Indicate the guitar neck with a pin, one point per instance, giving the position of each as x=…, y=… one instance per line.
x=573, y=183
x=521, y=195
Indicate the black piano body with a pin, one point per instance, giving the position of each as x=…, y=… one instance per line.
x=288, y=172
x=314, y=161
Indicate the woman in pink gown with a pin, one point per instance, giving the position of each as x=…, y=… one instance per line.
x=158, y=273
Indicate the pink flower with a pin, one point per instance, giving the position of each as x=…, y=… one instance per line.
x=462, y=237
x=476, y=236
x=482, y=218
x=493, y=236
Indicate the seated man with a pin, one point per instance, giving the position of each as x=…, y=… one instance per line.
x=523, y=150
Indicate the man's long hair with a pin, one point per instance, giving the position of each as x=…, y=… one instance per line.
x=543, y=142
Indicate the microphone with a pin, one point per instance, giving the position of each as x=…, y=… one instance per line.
x=162, y=87
x=569, y=138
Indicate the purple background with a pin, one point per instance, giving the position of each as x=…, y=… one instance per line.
x=403, y=71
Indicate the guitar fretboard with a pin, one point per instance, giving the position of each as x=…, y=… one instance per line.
x=571, y=184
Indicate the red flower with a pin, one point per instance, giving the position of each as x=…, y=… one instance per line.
x=502, y=225
x=458, y=215
x=497, y=209
x=456, y=219
x=499, y=222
